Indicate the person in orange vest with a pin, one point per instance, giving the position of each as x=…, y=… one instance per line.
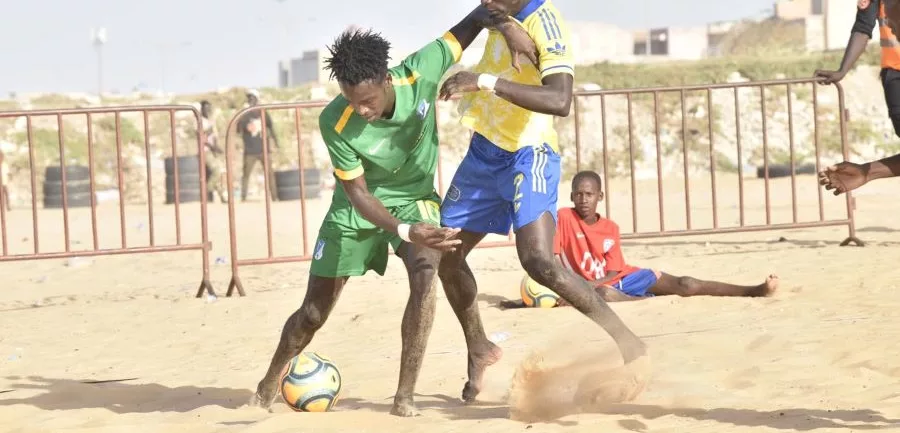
x=847, y=176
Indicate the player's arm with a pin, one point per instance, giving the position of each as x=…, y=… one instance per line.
x=886, y=167
x=349, y=170
x=557, y=67
x=433, y=60
x=861, y=33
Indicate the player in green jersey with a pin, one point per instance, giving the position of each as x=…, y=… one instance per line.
x=381, y=135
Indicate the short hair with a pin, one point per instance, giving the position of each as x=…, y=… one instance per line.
x=358, y=56
x=587, y=175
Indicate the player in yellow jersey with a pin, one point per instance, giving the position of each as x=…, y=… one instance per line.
x=510, y=175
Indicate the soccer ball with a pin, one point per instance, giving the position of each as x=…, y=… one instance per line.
x=310, y=383
x=536, y=295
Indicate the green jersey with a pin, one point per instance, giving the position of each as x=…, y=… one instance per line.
x=397, y=156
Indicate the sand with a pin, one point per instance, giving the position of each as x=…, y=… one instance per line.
x=820, y=355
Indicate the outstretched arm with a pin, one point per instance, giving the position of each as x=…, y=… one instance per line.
x=859, y=38
x=886, y=167
x=348, y=168
x=373, y=210
x=847, y=176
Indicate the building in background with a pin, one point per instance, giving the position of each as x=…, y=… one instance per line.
x=826, y=26
x=306, y=69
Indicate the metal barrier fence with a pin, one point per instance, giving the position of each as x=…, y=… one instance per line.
x=70, y=199
x=304, y=253
x=735, y=88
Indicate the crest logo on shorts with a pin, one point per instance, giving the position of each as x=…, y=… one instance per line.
x=422, y=111
x=320, y=248
x=607, y=245
x=453, y=193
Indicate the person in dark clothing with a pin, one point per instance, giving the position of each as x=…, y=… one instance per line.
x=868, y=14
x=847, y=176
x=250, y=127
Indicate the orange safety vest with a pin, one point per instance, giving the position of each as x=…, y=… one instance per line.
x=890, y=47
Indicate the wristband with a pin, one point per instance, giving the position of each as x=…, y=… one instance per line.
x=487, y=82
x=403, y=232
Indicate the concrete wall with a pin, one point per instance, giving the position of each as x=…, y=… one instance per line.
x=688, y=43
x=793, y=9
x=839, y=18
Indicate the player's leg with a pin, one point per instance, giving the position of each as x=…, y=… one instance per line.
x=474, y=205
x=689, y=286
x=341, y=251
x=421, y=265
x=461, y=290
x=298, y=331
x=532, y=190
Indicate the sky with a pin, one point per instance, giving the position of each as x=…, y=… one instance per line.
x=201, y=45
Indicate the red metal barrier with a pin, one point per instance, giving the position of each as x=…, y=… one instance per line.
x=762, y=86
x=236, y=262
x=96, y=250
x=304, y=253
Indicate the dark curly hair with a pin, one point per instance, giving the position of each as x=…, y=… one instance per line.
x=587, y=175
x=358, y=56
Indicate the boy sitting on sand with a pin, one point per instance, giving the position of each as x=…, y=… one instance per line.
x=589, y=245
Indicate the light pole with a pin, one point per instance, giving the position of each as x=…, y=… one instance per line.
x=98, y=38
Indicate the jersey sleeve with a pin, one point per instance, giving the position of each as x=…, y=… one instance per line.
x=866, y=17
x=615, y=261
x=346, y=162
x=433, y=60
x=552, y=37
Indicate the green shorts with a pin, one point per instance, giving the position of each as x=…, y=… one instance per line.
x=349, y=246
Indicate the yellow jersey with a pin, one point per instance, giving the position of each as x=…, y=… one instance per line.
x=503, y=123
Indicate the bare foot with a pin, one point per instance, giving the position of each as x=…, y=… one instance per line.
x=632, y=350
x=404, y=407
x=616, y=385
x=767, y=288
x=480, y=360
x=265, y=395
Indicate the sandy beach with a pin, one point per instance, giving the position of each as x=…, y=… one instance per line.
x=820, y=355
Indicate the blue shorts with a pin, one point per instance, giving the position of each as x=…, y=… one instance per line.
x=637, y=283
x=494, y=188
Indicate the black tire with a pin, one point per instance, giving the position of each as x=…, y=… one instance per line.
x=806, y=169
x=72, y=200
x=73, y=173
x=186, y=164
x=291, y=178
x=184, y=196
x=75, y=187
x=784, y=170
x=775, y=171
x=293, y=193
x=184, y=182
